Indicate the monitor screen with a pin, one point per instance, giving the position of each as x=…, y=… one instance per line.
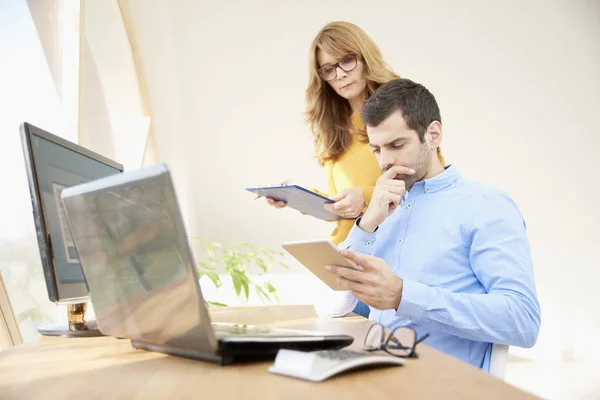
x=53, y=164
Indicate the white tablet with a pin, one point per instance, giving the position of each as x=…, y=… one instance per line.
x=315, y=255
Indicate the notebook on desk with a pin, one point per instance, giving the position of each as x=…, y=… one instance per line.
x=299, y=198
x=134, y=252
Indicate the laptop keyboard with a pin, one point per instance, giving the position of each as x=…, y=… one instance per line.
x=222, y=330
x=228, y=330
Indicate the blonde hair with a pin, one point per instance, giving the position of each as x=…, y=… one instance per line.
x=327, y=113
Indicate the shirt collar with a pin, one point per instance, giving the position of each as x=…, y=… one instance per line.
x=438, y=182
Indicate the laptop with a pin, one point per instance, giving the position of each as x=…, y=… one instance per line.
x=135, y=255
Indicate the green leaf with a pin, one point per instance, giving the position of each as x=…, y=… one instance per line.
x=275, y=298
x=205, y=266
x=261, y=294
x=246, y=289
x=216, y=304
x=240, y=280
x=261, y=264
x=237, y=283
x=284, y=265
x=232, y=266
x=214, y=278
x=269, y=286
x=241, y=275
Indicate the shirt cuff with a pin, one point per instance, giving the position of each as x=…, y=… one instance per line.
x=335, y=304
x=413, y=301
x=359, y=240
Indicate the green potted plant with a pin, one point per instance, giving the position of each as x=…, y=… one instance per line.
x=237, y=261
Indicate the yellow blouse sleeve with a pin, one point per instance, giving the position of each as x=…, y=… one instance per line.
x=368, y=194
x=331, y=189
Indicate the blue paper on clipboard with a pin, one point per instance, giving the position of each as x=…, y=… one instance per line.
x=299, y=198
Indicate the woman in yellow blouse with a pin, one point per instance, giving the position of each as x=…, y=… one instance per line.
x=346, y=67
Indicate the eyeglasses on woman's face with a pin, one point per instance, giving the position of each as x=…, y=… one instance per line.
x=346, y=64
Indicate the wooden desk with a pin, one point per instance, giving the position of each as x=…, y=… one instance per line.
x=108, y=368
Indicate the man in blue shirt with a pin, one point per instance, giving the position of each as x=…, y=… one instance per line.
x=439, y=253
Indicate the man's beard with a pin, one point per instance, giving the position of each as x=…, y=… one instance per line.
x=420, y=166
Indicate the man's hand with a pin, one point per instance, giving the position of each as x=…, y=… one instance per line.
x=386, y=197
x=349, y=203
x=376, y=285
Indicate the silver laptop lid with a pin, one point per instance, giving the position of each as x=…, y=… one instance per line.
x=135, y=255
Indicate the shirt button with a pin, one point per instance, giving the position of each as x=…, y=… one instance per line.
x=409, y=205
x=368, y=243
x=427, y=190
x=400, y=241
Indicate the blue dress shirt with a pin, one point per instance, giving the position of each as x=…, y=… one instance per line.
x=462, y=251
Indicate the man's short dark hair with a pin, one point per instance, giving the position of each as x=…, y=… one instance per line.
x=417, y=104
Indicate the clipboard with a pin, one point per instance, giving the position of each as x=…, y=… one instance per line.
x=299, y=198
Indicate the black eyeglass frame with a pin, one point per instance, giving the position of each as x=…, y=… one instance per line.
x=384, y=343
x=337, y=65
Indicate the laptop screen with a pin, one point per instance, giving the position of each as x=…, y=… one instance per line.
x=135, y=255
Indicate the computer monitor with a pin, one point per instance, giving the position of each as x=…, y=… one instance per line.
x=52, y=164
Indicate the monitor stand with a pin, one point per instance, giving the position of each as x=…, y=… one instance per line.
x=76, y=326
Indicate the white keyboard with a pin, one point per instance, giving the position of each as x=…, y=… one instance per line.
x=319, y=365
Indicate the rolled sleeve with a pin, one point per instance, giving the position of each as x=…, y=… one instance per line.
x=359, y=240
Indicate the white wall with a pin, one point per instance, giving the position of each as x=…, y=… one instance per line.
x=518, y=84
x=112, y=117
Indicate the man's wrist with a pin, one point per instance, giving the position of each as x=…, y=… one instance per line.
x=366, y=224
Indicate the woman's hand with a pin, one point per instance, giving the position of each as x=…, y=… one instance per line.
x=349, y=203
x=276, y=204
